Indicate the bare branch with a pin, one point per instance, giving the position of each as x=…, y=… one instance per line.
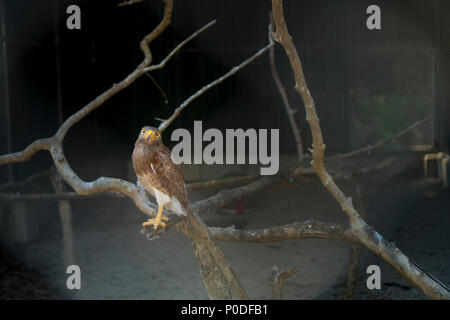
x=178, y=47
x=291, y=178
x=25, y=155
x=21, y=184
x=57, y=196
x=129, y=3
x=367, y=235
x=230, y=73
x=215, y=282
x=377, y=145
x=65, y=214
x=159, y=87
x=292, y=231
x=155, y=34
x=278, y=279
x=355, y=249
x=230, y=195
x=233, y=281
x=102, y=184
x=287, y=106
x=220, y=183
x=54, y=144
x=45, y=144
x=359, y=231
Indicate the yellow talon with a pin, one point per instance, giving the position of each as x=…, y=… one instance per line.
x=156, y=222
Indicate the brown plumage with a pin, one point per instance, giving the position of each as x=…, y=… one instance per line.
x=159, y=175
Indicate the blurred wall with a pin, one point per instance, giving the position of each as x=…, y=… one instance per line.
x=342, y=62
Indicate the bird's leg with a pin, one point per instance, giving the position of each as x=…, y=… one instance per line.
x=157, y=221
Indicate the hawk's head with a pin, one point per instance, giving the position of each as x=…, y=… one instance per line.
x=150, y=135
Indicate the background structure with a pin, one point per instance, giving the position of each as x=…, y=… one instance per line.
x=368, y=85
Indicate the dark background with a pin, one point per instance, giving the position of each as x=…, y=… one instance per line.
x=351, y=71
x=367, y=85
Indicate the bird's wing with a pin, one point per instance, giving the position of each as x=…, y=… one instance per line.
x=166, y=176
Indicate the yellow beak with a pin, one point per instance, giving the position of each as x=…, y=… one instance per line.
x=149, y=134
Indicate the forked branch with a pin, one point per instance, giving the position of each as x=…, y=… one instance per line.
x=366, y=234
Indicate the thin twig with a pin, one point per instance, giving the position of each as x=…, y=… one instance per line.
x=46, y=143
x=27, y=181
x=129, y=3
x=159, y=88
x=278, y=279
x=179, y=46
x=233, y=71
x=377, y=145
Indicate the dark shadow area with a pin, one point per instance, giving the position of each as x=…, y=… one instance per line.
x=367, y=86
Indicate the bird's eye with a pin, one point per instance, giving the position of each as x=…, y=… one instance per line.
x=158, y=134
x=143, y=131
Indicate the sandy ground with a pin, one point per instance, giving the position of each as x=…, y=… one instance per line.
x=417, y=220
x=117, y=262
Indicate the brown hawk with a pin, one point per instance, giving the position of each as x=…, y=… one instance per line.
x=159, y=175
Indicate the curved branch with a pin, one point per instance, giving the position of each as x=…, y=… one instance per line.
x=28, y=152
x=366, y=234
x=45, y=143
x=167, y=18
x=99, y=185
x=97, y=102
x=54, y=146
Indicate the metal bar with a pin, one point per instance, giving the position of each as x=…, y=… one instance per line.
x=59, y=102
x=7, y=110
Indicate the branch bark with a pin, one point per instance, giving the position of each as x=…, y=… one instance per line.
x=355, y=249
x=366, y=234
x=65, y=214
x=359, y=232
x=278, y=279
x=102, y=184
x=165, y=123
x=292, y=231
x=288, y=179
x=215, y=282
x=287, y=106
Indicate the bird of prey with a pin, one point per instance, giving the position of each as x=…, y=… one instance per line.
x=159, y=175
